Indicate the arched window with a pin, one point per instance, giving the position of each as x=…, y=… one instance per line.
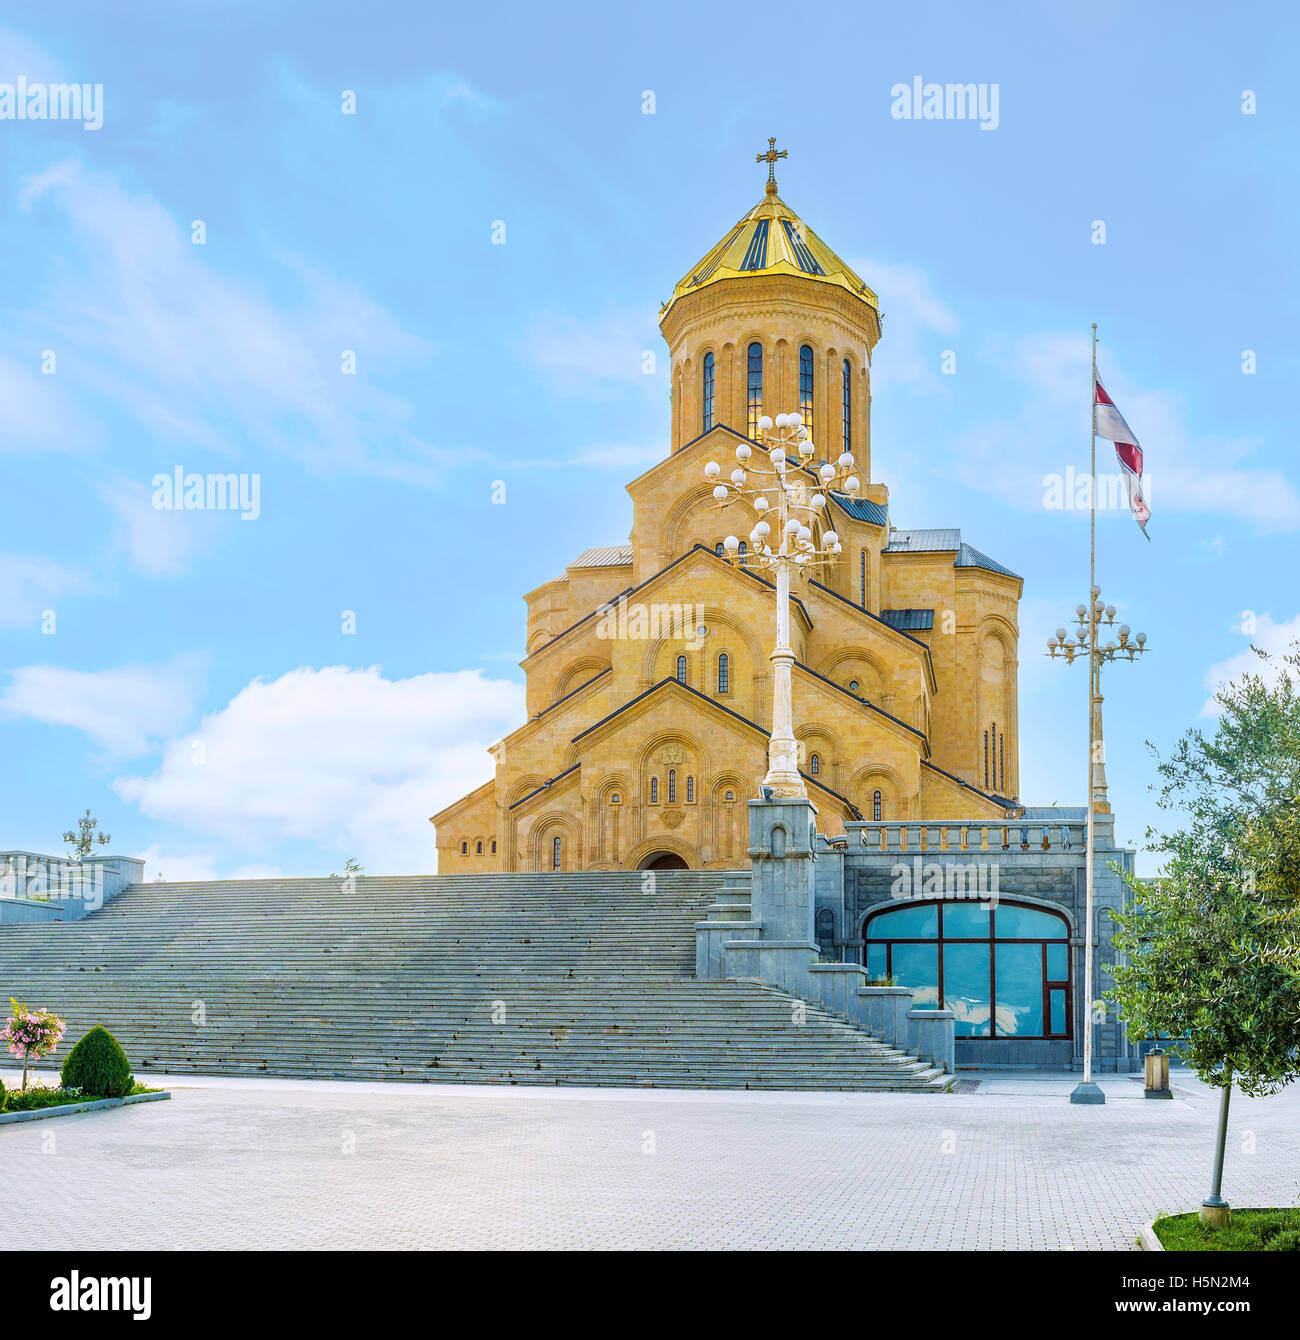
x=986, y=758
x=815, y=765
x=706, y=376
x=846, y=403
x=681, y=669
x=672, y=786
x=724, y=674
x=877, y=806
x=806, y=387
x=1003, y=971
x=731, y=795
x=615, y=798
x=1002, y=769
x=478, y=849
x=494, y=846
x=654, y=790
x=690, y=790
x=862, y=573
x=719, y=550
x=754, y=391
x=464, y=848
x=993, y=740
x=743, y=550
x=557, y=853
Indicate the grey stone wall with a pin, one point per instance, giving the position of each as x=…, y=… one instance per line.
x=1038, y=861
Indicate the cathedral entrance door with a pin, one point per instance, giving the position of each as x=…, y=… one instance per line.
x=664, y=860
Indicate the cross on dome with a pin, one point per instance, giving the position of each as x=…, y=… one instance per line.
x=770, y=157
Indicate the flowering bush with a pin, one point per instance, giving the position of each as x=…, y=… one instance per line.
x=31, y=1034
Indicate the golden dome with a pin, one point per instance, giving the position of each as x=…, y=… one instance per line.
x=772, y=239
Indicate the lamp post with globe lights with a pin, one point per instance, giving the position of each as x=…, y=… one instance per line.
x=793, y=534
x=1093, y=639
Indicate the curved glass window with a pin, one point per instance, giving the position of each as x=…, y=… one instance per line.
x=690, y=790
x=877, y=806
x=557, y=854
x=815, y=765
x=754, y=391
x=707, y=391
x=654, y=790
x=846, y=403
x=724, y=674
x=681, y=669
x=1003, y=971
x=672, y=786
x=806, y=388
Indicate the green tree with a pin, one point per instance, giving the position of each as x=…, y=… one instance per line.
x=1212, y=946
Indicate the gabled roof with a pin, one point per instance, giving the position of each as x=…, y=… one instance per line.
x=970, y=557
x=945, y=540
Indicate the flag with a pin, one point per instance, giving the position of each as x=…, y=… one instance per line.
x=1111, y=425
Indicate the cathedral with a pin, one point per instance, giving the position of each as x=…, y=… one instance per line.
x=649, y=679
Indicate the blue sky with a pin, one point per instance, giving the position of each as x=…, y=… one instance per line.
x=197, y=690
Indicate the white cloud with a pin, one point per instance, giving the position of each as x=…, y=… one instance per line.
x=913, y=316
x=594, y=357
x=175, y=867
x=125, y=710
x=202, y=360
x=340, y=756
x=1009, y=456
x=156, y=542
x=1274, y=638
x=30, y=582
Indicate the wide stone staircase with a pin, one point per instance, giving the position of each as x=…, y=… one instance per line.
x=574, y=979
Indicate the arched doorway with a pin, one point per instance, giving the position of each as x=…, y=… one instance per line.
x=663, y=860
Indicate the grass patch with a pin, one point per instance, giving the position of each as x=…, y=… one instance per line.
x=1249, y=1231
x=49, y=1095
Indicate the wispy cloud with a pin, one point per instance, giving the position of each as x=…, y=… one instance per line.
x=1274, y=638
x=126, y=710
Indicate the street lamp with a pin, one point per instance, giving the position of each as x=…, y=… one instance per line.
x=1093, y=639
x=793, y=533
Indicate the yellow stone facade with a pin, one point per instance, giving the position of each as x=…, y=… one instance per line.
x=648, y=681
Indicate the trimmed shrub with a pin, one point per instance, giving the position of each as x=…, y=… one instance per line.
x=97, y=1066
x=4, y=1095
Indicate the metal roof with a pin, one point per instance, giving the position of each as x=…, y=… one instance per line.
x=924, y=541
x=944, y=540
x=909, y=621
x=608, y=556
x=862, y=509
x=772, y=239
x=970, y=557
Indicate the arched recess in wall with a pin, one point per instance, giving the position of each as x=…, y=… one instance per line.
x=728, y=834
x=856, y=663
x=829, y=748
x=541, y=842
x=896, y=803
x=694, y=518
x=995, y=739
x=748, y=659
x=576, y=674
x=608, y=821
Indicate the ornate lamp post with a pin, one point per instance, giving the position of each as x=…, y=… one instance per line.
x=793, y=533
x=1092, y=639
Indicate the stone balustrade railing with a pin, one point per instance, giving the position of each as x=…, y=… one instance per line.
x=910, y=838
x=35, y=886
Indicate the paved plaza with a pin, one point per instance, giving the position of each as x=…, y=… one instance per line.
x=276, y=1163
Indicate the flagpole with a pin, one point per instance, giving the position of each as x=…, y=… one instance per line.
x=1086, y=1091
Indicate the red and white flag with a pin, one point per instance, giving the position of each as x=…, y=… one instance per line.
x=1111, y=425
